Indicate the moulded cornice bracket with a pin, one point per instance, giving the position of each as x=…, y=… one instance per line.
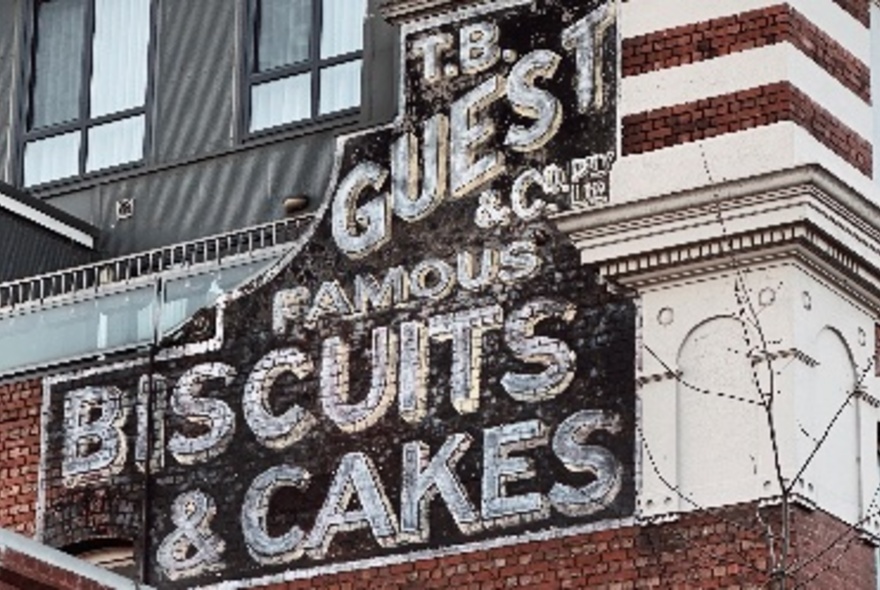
x=402, y=11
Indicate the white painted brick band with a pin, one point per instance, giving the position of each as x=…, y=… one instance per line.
x=732, y=156
x=640, y=17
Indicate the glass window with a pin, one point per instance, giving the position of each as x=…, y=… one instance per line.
x=285, y=28
x=340, y=87
x=88, y=86
x=57, y=79
x=306, y=60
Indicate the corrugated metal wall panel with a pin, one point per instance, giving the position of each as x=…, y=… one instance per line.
x=211, y=196
x=199, y=179
x=197, y=59
x=26, y=249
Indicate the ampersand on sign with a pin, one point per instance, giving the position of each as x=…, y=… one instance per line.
x=490, y=212
x=192, y=549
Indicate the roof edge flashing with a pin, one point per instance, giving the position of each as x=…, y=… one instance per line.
x=52, y=219
x=54, y=557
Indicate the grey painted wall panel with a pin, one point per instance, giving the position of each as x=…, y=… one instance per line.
x=196, y=61
x=161, y=203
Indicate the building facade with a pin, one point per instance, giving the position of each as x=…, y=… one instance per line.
x=439, y=294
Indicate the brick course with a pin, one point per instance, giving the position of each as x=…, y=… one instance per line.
x=723, y=548
x=859, y=9
x=748, y=30
x=834, y=556
x=19, y=454
x=737, y=111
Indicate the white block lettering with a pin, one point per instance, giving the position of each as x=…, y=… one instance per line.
x=465, y=329
x=355, y=477
x=358, y=232
x=500, y=469
x=533, y=102
x=469, y=133
x=94, y=444
x=276, y=432
x=519, y=334
x=186, y=401
x=423, y=479
x=569, y=444
x=335, y=382
x=264, y=548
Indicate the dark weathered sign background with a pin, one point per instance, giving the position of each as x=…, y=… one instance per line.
x=422, y=373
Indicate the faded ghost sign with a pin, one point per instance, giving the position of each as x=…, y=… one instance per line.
x=433, y=367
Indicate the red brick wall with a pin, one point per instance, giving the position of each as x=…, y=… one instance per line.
x=748, y=30
x=858, y=9
x=831, y=556
x=679, y=124
x=19, y=454
x=713, y=549
x=741, y=110
x=831, y=55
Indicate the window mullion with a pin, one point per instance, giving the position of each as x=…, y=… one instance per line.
x=248, y=39
x=27, y=88
x=283, y=72
x=31, y=69
x=253, y=45
x=149, y=90
x=315, y=54
x=86, y=90
x=341, y=59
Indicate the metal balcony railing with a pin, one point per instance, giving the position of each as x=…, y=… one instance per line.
x=144, y=265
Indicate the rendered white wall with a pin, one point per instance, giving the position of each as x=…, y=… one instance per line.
x=706, y=437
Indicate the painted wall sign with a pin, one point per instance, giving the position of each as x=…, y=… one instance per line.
x=433, y=367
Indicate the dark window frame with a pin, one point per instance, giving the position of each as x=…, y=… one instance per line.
x=83, y=123
x=251, y=76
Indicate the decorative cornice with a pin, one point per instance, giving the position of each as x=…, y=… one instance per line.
x=722, y=252
x=401, y=11
x=721, y=197
x=805, y=214
x=800, y=241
